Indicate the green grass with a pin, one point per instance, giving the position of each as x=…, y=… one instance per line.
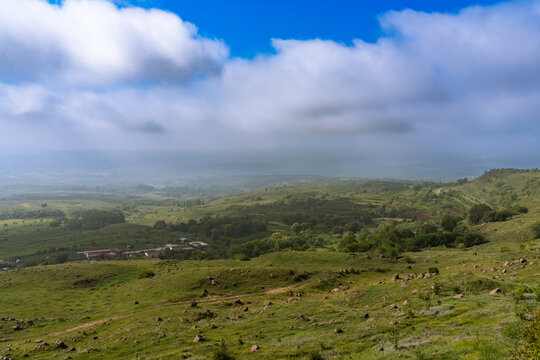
x=77, y=302
x=105, y=312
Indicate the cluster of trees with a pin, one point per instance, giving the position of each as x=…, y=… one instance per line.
x=42, y=213
x=480, y=213
x=323, y=215
x=90, y=220
x=278, y=242
x=216, y=227
x=392, y=240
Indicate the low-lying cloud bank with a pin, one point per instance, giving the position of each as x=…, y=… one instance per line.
x=89, y=74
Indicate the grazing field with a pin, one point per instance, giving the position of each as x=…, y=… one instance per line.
x=295, y=298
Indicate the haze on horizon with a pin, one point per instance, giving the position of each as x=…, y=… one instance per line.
x=422, y=92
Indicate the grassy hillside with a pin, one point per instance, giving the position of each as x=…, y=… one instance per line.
x=314, y=304
x=103, y=311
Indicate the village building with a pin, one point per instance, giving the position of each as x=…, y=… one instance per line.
x=96, y=253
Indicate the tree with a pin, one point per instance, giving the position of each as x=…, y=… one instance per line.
x=449, y=222
x=477, y=213
x=160, y=225
x=297, y=227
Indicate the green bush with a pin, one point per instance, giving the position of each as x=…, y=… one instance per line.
x=535, y=228
x=477, y=212
x=145, y=274
x=221, y=353
x=315, y=355
x=518, y=293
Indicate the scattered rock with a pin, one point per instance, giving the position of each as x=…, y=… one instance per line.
x=289, y=300
x=238, y=302
x=193, y=304
x=254, y=348
x=60, y=344
x=267, y=303
x=522, y=260
x=393, y=306
x=159, y=319
x=495, y=291
x=365, y=316
x=395, y=277
x=303, y=318
x=384, y=298
x=338, y=331
x=198, y=338
x=406, y=302
x=204, y=293
x=458, y=296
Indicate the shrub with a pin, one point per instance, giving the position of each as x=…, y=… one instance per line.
x=315, y=355
x=519, y=209
x=535, y=228
x=241, y=257
x=477, y=213
x=146, y=274
x=449, y=222
x=472, y=239
x=409, y=260
x=221, y=353
x=518, y=293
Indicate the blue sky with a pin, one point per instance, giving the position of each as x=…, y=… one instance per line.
x=248, y=25
x=423, y=84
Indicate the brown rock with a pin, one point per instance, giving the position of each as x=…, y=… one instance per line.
x=60, y=344
x=254, y=348
x=458, y=296
x=495, y=291
x=198, y=338
x=338, y=331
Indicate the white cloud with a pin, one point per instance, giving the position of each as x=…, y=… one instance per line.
x=433, y=82
x=94, y=42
